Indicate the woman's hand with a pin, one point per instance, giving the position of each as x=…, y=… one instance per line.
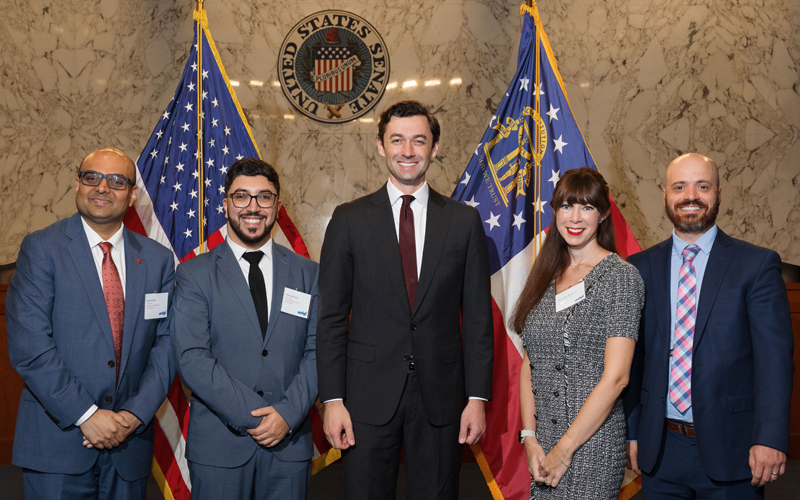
x=555, y=464
x=535, y=454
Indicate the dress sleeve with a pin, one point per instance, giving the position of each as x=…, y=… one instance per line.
x=626, y=299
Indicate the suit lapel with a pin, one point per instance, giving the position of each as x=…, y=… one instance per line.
x=81, y=255
x=436, y=227
x=660, y=262
x=226, y=262
x=135, y=273
x=280, y=279
x=381, y=225
x=718, y=260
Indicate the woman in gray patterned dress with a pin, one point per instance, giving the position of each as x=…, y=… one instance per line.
x=579, y=317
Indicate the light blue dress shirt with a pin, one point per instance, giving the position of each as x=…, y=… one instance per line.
x=705, y=242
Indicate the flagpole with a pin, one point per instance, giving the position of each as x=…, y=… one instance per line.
x=200, y=201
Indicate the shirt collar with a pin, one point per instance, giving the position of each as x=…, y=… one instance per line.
x=705, y=242
x=117, y=240
x=239, y=250
x=420, y=195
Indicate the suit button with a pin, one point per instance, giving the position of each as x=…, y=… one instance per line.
x=109, y=399
x=413, y=327
x=554, y=421
x=111, y=364
x=558, y=368
x=260, y=393
x=264, y=352
x=555, y=393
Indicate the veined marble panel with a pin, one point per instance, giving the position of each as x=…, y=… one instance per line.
x=647, y=81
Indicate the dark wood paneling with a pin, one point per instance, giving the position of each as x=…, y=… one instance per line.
x=10, y=388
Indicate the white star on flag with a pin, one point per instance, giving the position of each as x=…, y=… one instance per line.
x=185, y=127
x=210, y=163
x=174, y=206
x=188, y=107
x=153, y=153
x=523, y=83
x=179, y=166
x=165, y=115
x=195, y=174
x=188, y=233
x=193, y=193
x=159, y=134
x=539, y=205
x=553, y=113
x=183, y=147
x=479, y=147
x=466, y=178
x=472, y=202
x=239, y=157
x=518, y=220
x=190, y=213
x=176, y=187
x=225, y=150
x=554, y=178
x=559, y=144
x=190, y=87
x=215, y=102
x=539, y=89
x=223, y=169
x=492, y=221
x=162, y=180
x=227, y=131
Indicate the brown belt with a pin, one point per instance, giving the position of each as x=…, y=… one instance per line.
x=681, y=428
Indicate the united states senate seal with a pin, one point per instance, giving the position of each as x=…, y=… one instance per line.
x=333, y=66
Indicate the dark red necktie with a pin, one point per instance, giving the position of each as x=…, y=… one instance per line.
x=408, y=248
x=115, y=300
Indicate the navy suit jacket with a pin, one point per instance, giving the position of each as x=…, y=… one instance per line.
x=230, y=369
x=742, y=364
x=60, y=342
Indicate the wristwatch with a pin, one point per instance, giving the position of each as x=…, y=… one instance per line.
x=525, y=433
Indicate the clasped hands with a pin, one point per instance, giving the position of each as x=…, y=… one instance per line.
x=106, y=429
x=547, y=469
x=272, y=429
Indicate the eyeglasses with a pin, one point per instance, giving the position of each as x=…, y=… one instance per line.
x=114, y=181
x=264, y=200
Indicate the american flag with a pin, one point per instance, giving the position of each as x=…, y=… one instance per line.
x=531, y=140
x=327, y=60
x=181, y=177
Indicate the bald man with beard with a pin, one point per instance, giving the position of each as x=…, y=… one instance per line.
x=96, y=366
x=711, y=381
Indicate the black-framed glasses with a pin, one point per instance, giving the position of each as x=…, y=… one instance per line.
x=114, y=181
x=264, y=200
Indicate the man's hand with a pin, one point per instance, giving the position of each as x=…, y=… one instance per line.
x=632, y=456
x=473, y=422
x=132, y=420
x=104, y=430
x=338, y=426
x=767, y=464
x=272, y=429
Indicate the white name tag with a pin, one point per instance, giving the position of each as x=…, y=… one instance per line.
x=295, y=303
x=570, y=296
x=155, y=305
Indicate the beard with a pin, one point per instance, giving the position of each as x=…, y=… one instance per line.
x=693, y=223
x=246, y=237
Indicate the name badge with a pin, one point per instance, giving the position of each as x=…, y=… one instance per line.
x=570, y=296
x=155, y=305
x=295, y=303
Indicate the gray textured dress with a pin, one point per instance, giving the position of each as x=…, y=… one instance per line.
x=566, y=350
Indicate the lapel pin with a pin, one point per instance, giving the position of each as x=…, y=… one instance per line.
x=138, y=261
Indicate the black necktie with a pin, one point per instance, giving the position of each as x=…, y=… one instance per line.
x=258, y=290
x=408, y=248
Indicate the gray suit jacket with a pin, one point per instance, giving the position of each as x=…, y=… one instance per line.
x=60, y=342
x=230, y=370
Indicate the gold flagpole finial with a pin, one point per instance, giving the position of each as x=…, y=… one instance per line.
x=198, y=5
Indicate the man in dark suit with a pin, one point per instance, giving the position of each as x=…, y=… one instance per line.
x=95, y=361
x=711, y=381
x=243, y=327
x=405, y=323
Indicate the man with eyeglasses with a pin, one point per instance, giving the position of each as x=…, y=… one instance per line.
x=96, y=364
x=244, y=335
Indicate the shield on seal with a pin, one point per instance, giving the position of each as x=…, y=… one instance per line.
x=333, y=64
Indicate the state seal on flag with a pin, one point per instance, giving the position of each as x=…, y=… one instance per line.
x=333, y=66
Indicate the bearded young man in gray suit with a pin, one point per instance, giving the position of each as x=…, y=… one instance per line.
x=405, y=323
x=244, y=330
x=96, y=365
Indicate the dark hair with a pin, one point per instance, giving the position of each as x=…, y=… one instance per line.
x=583, y=186
x=404, y=109
x=252, y=167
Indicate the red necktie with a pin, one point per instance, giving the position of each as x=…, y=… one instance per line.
x=408, y=248
x=115, y=300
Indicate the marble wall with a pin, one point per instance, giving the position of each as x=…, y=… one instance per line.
x=647, y=81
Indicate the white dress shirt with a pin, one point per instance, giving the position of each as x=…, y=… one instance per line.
x=265, y=265
x=420, y=208
x=118, y=256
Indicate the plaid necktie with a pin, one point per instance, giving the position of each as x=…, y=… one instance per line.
x=115, y=300
x=408, y=248
x=680, y=374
